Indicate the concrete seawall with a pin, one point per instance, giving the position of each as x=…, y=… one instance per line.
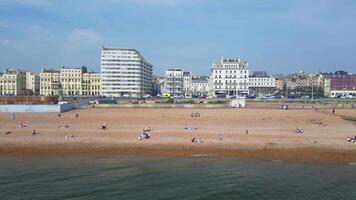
x=250, y=105
x=36, y=108
x=162, y=106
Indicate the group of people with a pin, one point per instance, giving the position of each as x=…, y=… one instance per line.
x=351, y=139
x=22, y=125
x=145, y=134
x=197, y=140
x=64, y=126
x=195, y=114
x=299, y=131
x=67, y=136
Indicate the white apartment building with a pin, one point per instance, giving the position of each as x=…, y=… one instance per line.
x=229, y=77
x=187, y=84
x=33, y=83
x=262, y=86
x=199, y=86
x=174, y=82
x=125, y=72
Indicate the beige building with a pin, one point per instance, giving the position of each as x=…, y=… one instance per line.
x=70, y=82
x=13, y=82
x=49, y=83
x=91, y=84
x=280, y=84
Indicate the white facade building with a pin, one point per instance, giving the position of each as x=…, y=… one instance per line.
x=199, y=86
x=229, y=77
x=262, y=82
x=174, y=82
x=187, y=84
x=33, y=83
x=125, y=72
x=262, y=86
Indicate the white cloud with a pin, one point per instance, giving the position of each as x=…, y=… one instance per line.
x=163, y=2
x=35, y=3
x=83, y=35
x=39, y=33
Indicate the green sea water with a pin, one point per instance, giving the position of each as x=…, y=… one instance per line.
x=130, y=177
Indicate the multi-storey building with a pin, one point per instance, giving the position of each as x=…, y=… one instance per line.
x=304, y=84
x=199, y=86
x=157, y=85
x=70, y=82
x=13, y=82
x=125, y=72
x=280, y=84
x=187, y=84
x=33, y=83
x=262, y=86
x=229, y=77
x=91, y=84
x=174, y=82
x=341, y=86
x=50, y=83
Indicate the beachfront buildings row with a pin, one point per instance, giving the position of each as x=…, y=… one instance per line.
x=18, y=82
x=179, y=83
x=229, y=77
x=70, y=82
x=125, y=72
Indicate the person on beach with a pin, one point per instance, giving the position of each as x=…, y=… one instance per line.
x=77, y=115
x=103, y=126
x=333, y=111
x=59, y=114
x=8, y=132
x=13, y=117
x=34, y=132
x=220, y=137
x=246, y=132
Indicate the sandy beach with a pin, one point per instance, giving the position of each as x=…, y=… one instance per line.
x=271, y=133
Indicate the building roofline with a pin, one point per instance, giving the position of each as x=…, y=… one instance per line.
x=116, y=48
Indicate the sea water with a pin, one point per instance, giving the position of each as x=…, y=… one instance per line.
x=199, y=177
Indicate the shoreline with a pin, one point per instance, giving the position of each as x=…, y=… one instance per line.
x=308, y=155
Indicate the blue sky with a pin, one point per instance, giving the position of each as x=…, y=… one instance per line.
x=278, y=36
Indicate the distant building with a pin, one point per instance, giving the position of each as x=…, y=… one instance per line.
x=157, y=87
x=33, y=83
x=13, y=82
x=229, y=77
x=280, y=84
x=199, y=86
x=262, y=86
x=173, y=82
x=341, y=85
x=259, y=74
x=187, y=84
x=125, y=72
x=50, y=83
x=70, y=82
x=305, y=84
